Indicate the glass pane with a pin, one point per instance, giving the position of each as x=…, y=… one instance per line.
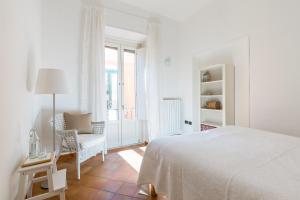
x=111, y=78
x=129, y=84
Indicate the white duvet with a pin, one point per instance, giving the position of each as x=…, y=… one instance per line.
x=228, y=163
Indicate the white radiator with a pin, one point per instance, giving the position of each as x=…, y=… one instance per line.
x=171, y=116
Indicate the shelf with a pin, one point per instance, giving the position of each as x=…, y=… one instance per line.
x=215, y=124
x=59, y=179
x=211, y=82
x=216, y=85
x=213, y=110
x=214, y=95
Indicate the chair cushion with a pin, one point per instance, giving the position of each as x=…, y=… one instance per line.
x=82, y=122
x=87, y=141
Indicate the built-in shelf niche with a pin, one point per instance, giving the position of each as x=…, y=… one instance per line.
x=219, y=87
x=216, y=74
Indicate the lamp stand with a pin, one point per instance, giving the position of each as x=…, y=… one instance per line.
x=44, y=185
x=53, y=121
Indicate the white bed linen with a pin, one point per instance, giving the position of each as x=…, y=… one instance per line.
x=228, y=163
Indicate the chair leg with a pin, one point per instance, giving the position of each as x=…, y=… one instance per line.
x=103, y=153
x=102, y=156
x=78, y=166
x=105, y=147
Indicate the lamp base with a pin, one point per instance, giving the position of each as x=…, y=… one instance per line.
x=44, y=185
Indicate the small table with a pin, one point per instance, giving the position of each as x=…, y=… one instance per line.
x=56, y=181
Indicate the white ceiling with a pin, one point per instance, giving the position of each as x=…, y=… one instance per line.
x=175, y=9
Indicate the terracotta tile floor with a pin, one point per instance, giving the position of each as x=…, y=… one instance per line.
x=115, y=179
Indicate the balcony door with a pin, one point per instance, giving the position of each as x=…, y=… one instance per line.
x=120, y=65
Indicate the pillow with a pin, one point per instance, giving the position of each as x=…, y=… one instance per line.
x=82, y=122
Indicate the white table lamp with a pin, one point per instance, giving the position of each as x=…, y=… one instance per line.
x=51, y=81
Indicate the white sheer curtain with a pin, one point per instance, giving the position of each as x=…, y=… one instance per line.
x=141, y=93
x=152, y=81
x=92, y=71
x=140, y=85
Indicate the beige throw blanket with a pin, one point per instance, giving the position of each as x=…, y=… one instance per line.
x=228, y=163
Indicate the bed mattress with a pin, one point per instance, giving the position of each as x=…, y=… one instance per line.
x=228, y=163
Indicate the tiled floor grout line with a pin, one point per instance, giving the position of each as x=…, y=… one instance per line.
x=114, y=193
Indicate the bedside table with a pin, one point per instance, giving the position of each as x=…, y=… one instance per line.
x=56, y=180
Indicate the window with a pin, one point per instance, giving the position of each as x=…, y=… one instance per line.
x=120, y=74
x=129, y=79
x=111, y=76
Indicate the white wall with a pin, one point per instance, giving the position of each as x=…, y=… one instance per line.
x=60, y=46
x=61, y=21
x=19, y=53
x=234, y=53
x=273, y=28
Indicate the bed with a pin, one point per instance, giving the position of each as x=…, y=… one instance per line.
x=228, y=163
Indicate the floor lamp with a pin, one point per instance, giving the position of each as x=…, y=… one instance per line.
x=51, y=81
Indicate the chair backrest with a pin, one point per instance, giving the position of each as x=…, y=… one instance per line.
x=98, y=127
x=59, y=126
x=67, y=141
x=60, y=122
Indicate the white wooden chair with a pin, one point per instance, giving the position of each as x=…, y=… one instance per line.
x=84, y=145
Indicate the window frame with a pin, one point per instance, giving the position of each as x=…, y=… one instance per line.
x=121, y=46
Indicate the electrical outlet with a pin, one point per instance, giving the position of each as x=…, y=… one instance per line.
x=190, y=123
x=186, y=121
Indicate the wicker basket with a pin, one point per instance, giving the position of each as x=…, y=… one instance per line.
x=213, y=105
